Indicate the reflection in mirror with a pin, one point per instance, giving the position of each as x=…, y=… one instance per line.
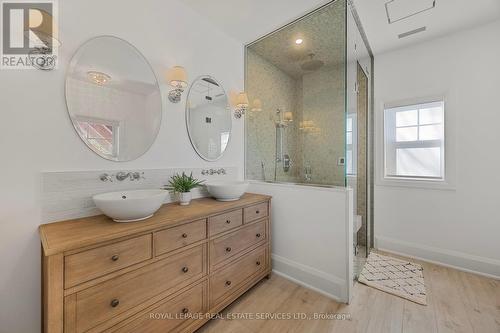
x=208, y=118
x=113, y=98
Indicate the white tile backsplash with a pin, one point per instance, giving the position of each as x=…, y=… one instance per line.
x=68, y=195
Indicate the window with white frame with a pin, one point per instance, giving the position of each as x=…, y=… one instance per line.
x=101, y=134
x=415, y=141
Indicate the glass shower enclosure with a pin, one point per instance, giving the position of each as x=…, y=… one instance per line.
x=308, y=117
x=296, y=82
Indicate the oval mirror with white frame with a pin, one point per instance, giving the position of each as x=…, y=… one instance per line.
x=208, y=118
x=113, y=98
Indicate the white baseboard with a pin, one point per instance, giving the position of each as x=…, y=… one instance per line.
x=453, y=259
x=311, y=278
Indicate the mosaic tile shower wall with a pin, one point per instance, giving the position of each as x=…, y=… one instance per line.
x=276, y=90
x=305, y=82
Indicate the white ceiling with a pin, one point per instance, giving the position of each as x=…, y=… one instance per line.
x=247, y=20
x=447, y=17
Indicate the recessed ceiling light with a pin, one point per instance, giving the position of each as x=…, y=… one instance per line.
x=299, y=41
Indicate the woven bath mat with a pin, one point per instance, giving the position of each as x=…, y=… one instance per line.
x=394, y=276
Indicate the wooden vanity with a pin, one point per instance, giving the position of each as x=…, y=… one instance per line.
x=165, y=274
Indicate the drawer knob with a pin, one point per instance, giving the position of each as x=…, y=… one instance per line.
x=185, y=310
x=228, y=283
x=258, y=263
x=185, y=269
x=228, y=249
x=115, y=302
x=258, y=235
x=257, y=212
x=115, y=257
x=228, y=221
x=184, y=235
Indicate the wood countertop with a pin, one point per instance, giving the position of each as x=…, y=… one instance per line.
x=69, y=235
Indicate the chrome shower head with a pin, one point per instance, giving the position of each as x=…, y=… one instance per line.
x=312, y=64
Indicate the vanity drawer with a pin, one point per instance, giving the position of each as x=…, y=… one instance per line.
x=171, y=314
x=97, y=304
x=174, y=238
x=228, y=279
x=227, y=246
x=90, y=264
x=224, y=222
x=256, y=212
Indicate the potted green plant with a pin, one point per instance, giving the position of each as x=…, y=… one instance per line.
x=182, y=185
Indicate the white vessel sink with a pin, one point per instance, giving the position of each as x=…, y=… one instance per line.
x=227, y=190
x=130, y=206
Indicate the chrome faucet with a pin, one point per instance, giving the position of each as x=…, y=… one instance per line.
x=121, y=176
x=211, y=172
x=106, y=177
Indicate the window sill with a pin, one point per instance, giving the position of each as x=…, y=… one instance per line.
x=411, y=183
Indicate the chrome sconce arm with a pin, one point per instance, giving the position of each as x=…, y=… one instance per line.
x=175, y=95
x=239, y=112
x=177, y=78
x=241, y=105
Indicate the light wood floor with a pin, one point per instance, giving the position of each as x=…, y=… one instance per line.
x=457, y=302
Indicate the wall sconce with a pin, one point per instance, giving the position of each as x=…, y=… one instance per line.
x=241, y=105
x=42, y=28
x=178, y=80
x=288, y=117
x=308, y=127
x=256, y=105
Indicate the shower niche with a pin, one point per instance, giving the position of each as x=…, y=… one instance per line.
x=309, y=119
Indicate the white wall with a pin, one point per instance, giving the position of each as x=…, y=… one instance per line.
x=312, y=235
x=458, y=226
x=36, y=134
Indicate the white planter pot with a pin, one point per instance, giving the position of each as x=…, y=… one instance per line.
x=185, y=198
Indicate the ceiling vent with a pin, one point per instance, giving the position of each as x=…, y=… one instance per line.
x=398, y=10
x=412, y=32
